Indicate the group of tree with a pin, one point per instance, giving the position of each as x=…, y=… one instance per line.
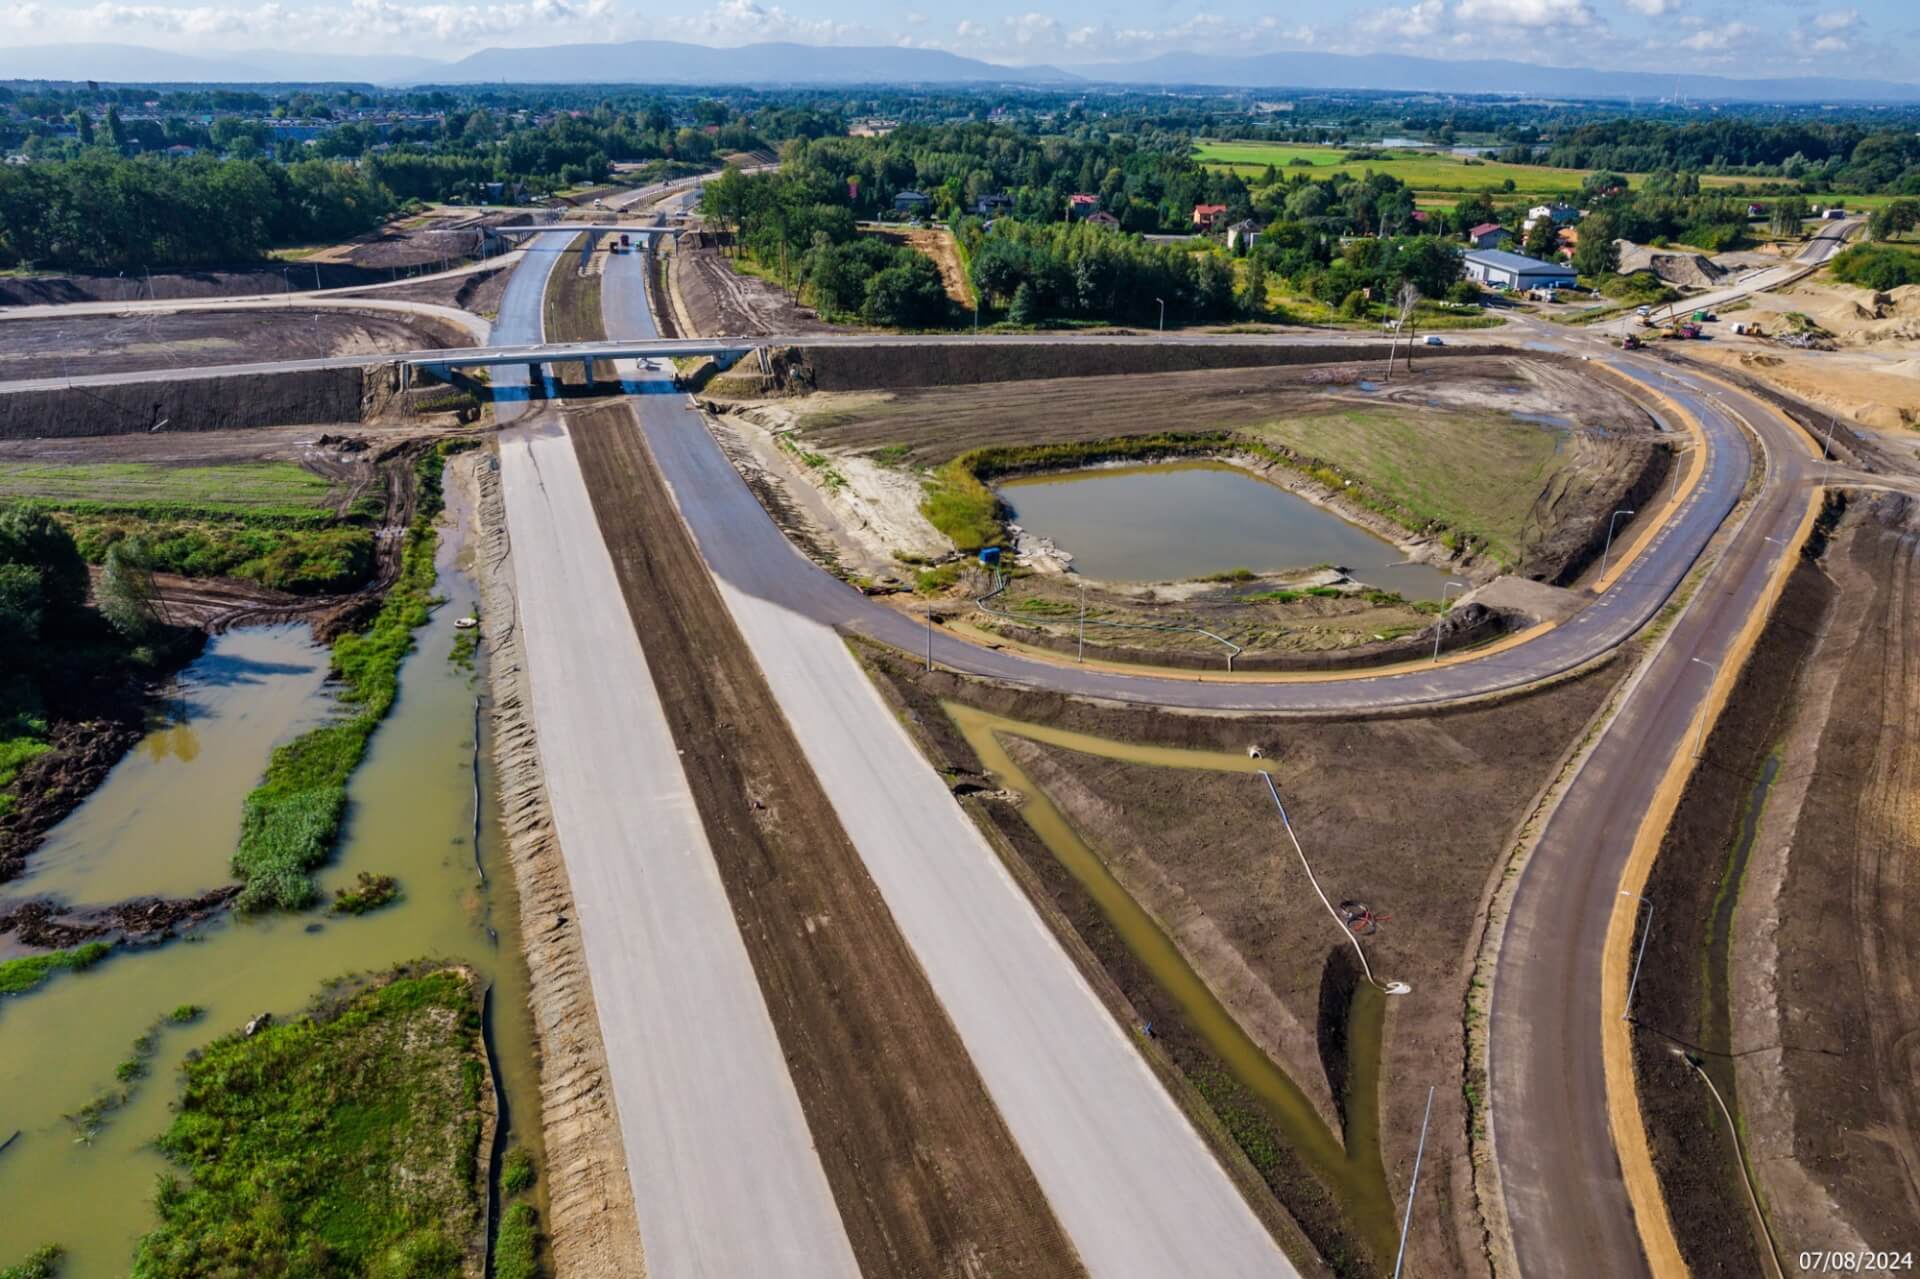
x=105, y=211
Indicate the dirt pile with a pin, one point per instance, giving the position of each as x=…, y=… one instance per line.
x=719, y=300
x=1688, y=270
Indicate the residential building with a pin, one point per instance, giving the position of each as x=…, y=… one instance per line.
x=1103, y=218
x=912, y=202
x=1080, y=204
x=1208, y=216
x=1498, y=269
x=1560, y=212
x=1242, y=234
x=1488, y=235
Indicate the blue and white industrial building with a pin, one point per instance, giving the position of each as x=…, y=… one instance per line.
x=1499, y=269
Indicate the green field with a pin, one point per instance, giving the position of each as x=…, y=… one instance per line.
x=250, y=488
x=1478, y=473
x=1426, y=172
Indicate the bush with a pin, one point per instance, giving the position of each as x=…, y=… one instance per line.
x=962, y=507
x=517, y=1172
x=516, y=1249
x=41, y=1263
x=1876, y=267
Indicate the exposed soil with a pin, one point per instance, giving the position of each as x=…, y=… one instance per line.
x=926, y=1175
x=477, y=291
x=50, y=925
x=146, y=340
x=720, y=301
x=936, y=243
x=1677, y=1008
x=1415, y=816
x=445, y=237
x=1849, y=953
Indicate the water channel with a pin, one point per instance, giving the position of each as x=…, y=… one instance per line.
x=165, y=821
x=1172, y=521
x=1352, y=1170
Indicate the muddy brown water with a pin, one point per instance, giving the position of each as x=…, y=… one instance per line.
x=1352, y=1171
x=1177, y=520
x=412, y=816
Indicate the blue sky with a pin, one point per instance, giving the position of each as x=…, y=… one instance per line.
x=1877, y=38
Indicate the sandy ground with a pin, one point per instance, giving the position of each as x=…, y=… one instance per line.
x=1877, y=389
x=160, y=340
x=1381, y=808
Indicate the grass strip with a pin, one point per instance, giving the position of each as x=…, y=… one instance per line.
x=342, y=1142
x=292, y=818
x=516, y=1249
x=18, y=976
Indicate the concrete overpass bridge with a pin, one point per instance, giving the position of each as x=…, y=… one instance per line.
x=444, y=365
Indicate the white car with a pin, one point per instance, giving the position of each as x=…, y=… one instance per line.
x=1432, y=340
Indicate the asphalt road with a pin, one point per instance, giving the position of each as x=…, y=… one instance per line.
x=1828, y=240
x=725, y=1177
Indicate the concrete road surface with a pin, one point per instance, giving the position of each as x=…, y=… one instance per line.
x=725, y=1177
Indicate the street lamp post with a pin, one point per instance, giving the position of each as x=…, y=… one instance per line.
x=1163, y=313
x=1420, y=1151
x=1083, y=623
x=1626, y=1013
x=1608, y=550
x=1700, y=738
x=1438, y=626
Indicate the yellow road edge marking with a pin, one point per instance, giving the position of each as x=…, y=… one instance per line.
x=1650, y=1214
x=1695, y=458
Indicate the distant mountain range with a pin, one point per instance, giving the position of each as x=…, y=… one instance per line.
x=1400, y=73
x=671, y=62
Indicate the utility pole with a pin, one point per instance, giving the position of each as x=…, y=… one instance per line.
x=929, y=638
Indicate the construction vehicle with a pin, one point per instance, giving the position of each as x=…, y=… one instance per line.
x=1631, y=343
x=1685, y=331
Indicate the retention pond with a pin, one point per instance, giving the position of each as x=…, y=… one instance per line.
x=165, y=822
x=1177, y=520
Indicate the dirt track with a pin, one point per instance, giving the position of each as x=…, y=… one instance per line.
x=927, y=1178
x=1381, y=806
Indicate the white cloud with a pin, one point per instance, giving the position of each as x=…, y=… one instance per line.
x=1837, y=20
x=1724, y=36
x=1529, y=14
x=1653, y=8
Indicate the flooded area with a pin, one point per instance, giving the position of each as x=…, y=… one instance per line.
x=165, y=821
x=1352, y=1171
x=1179, y=520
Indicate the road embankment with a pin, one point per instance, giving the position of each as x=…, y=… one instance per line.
x=850, y=368
x=926, y=1176
x=218, y=402
x=591, y=1223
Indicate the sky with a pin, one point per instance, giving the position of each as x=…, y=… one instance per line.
x=1867, y=38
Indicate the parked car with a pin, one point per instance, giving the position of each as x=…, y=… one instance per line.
x=1433, y=340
